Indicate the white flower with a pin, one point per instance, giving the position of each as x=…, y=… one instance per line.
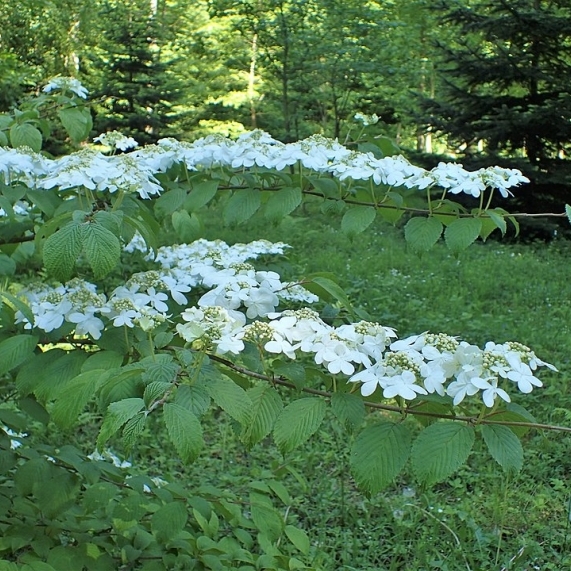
x=403, y=385
x=69, y=83
x=521, y=374
x=490, y=390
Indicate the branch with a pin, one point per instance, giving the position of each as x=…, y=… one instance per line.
x=391, y=408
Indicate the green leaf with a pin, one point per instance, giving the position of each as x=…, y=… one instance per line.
x=230, y=397
x=242, y=205
x=26, y=135
x=461, y=233
x=200, y=195
x=568, y=212
x=266, y=406
x=504, y=446
x=349, y=409
x=297, y=422
x=15, y=351
x=422, y=233
x=282, y=202
x=168, y=521
x=327, y=186
x=194, y=398
x=17, y=304
x=440, y=449
x=184, y=430
x=266, y=518
x=497, y=217
x=169, y=202
x=118, y=413
x=102, y=249
x=133, y=429
x=7, y=265
x=188, y=227
x=102, y=360
x=379, y=454
x=76, y=123
x=326, y=289
x=74, y=395
x=298, y=537
x=62, y=248
x=357, y=219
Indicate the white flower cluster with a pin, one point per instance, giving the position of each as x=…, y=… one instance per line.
x=135, y=171
x=438, y=363
x=66, y=84
x=232, y=283
x=116, y=140
x=367, y=119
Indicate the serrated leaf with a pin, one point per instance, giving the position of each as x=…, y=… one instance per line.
x=230, y=397
x=200, y=195
x=349, y=409
x=118, y=413
x=133, y=429
x=75, y=122
x=266, y=406
x=168, y=521
x=194, y=398
x=62, y=248
x=461, y=233
x=102, y=360
x=26, y=135
x=328, y=290
x=357, y=219
x=379, y=454
x=184, y=430
x=74, y=395
x=242, y=205
x=188, y=227
x=297, y=422
x=422, y=233
x=155, y=390
x=282, y=202
x=440, y=449
x=102, y=249
x=15, y=351
x=504, y=446
x=298, y=537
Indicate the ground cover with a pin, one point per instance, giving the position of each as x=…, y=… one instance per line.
x=480, y=518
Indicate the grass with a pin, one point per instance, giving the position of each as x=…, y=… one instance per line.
x=481, y=518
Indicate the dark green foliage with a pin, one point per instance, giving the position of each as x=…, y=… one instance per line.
x=505, y=93
x=136, y=86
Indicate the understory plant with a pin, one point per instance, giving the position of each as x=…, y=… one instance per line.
x=117, y=313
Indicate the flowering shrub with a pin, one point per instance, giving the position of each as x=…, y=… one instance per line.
x=203, y=326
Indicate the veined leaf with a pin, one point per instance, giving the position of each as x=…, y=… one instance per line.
x=461, y=233
x=379, y=454
x=242, y=205
x=169, y=202
x=328, y=290
x=349, y=409
x=168, y=521
x=230, y=397
x=185, y=431
x=26, y=135
x=440, y=449
x=357, y=219
x=266, y=518
x=200, y=195
x=188, y=227
x=118, y=413
x=75, y=122
x=15, y=351
x=62, y=248
x=266, y=406
x=422, y=233
x=102, y=249
x=298, y=537
x=282, y=202
x=74, y=395
x=497, y=218
x=504, y=446
x=297, y=422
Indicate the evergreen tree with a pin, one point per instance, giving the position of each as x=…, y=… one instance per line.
x=506, y=89
x=137, y=90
